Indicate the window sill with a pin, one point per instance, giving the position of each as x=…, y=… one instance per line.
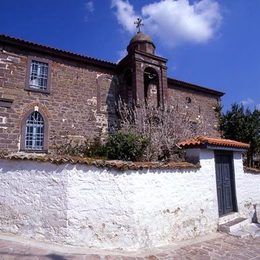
x=38, y=90
x=34, y=151
x=6, y=102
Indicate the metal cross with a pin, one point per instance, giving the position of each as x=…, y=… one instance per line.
x=139, y=24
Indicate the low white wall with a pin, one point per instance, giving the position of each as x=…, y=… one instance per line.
x=94, y=207
x=247, y=188
x=33, y=200
x=139, y=209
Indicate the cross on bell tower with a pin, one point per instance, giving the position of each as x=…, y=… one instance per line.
x=144, y=74
x=139, y=24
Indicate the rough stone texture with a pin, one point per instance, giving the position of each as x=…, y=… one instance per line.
x=201, y=110
x=77, y=106
x=82, y=97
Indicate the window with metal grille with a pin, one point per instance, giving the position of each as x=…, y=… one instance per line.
x=34, y=132
x=39, y=75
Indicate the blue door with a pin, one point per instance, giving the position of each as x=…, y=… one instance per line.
x=225, y=183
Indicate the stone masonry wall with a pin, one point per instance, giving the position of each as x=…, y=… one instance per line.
x=81, y=100
x=77, y=106
x=200, y=110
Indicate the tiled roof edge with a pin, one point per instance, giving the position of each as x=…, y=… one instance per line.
x=204, y=140
x=194, y=87
x=97, y=62
x=117, y=165
x=54, y=51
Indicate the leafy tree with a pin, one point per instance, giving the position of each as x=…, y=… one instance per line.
x=242, y=125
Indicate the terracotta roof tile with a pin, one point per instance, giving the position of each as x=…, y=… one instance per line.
x=115, y=164
x=204, y=140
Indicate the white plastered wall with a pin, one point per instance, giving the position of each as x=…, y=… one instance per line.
x=247, y=188
x=96, y=207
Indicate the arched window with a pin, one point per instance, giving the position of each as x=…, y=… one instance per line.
x=151, y=87
x=34, y=132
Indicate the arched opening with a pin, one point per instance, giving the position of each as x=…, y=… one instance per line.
x=34, y=132
x=151, y=87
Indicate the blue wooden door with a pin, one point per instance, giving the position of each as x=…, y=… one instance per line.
x=225, y=183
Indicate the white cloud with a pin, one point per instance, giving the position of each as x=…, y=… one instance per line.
x=248, y=102
x=121, y=54
x=89, y=7
x=125, y=14
x=173, y=21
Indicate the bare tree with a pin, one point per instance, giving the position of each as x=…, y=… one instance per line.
x=163, y=127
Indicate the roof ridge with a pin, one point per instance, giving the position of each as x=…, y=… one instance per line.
x=11, y=39
x=202, y=88
x=205, y=140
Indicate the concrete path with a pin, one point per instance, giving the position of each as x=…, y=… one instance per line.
x=218, y=246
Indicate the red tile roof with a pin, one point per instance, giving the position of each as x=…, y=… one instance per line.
x=115, y=164
x=204, y=140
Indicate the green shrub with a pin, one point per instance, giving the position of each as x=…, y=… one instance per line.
x=126, y=146
x=89, y=148
x=119, y=146
x=96, y=149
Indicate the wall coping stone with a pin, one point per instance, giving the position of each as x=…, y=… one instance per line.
x=113, y=164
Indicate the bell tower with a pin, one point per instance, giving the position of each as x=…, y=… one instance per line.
x=143, y=73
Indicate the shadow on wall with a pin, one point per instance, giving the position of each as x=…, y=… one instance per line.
x=111, y=104
x=254, y=218
x=56, y=257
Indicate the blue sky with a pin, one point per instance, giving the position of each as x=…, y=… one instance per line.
x=213, y=43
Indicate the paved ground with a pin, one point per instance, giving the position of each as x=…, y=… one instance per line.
x=220, y=247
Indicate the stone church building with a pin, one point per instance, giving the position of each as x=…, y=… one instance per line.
x=49, y=96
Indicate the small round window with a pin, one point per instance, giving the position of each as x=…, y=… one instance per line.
x=188, y=100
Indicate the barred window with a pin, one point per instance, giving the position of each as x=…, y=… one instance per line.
x=38, y=75
x=34, y=132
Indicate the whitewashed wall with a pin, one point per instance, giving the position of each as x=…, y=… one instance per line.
x=94, y=207
x=140, y=208
x=33, y=200
x=247, y=188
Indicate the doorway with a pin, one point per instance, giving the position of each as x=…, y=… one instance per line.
x=225, y=179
